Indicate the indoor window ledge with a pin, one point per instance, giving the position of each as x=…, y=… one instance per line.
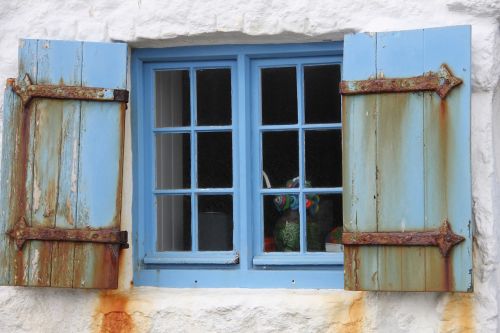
x=289, y=259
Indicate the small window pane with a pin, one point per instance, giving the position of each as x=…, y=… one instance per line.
x=279, y=96
x=215, y=167
x=324, y=158
x=324, y=222
x=215, y=222
x=322, y=97
x=213, y=88
x=173, y=105
x=173, y=161
x=173, y=223
x=281, y=223
x=280, y=152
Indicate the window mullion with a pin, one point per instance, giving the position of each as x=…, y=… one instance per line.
x=194, y=164
x=300, y=118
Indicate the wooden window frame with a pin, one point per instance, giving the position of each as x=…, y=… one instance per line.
x=255, y=269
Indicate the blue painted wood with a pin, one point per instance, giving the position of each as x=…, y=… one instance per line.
x=138, y=119
x=205, y=257
x=244, y=232
x=400, y=186
x=28, y=64
x=188, y=129
x=236, y=146
x=100, y=164
x=177, y=275
x=218, y=52
x=65, y=62
x=58, y=63
x=257, y=128
x=222, y=277
x=359, y=119
x=148, y=145
x=8, y=153
x=193, y=130
x=303, y=126
x=194, y=161
x=306, y=259
x=447, y=157
x=43, y=165
x=15, y=200
x=423, y=162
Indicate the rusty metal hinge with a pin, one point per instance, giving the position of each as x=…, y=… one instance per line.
x=22, y=233
x=441, y=82
x=27, y=91
x=444, y=238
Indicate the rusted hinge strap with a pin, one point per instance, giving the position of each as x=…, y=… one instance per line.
x=441, y=82
x=22, y=233
x=27, y=91
x=444, y=238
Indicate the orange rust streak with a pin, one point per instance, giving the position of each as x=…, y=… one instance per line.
x=20, y=176
x=356, y=316
x=111, y=314
x=448, y=280
x=119, y=189
x=458, y=314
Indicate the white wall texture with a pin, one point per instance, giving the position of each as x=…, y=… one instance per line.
x=143, y=23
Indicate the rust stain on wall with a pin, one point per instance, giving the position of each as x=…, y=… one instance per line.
x=355, y=316
x=458, y=314
x=111, y=314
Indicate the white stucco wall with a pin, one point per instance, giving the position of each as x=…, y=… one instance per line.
x=143, y=23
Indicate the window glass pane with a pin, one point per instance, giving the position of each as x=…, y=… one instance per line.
x=324, y=222
x=281, y=223
x=324, y=158
x=215, y=222
x=173, y=161
x=173, y=105
x=279, y=95
x=213, y=91
x=322, y=97
x=173, y=215
x=215, y=167
x=280, y=155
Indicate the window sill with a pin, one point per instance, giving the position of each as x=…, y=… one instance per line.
x=291, y=259
x=194, y=258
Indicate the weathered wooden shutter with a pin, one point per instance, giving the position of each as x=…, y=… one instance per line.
x=60, y=194
x=406, y=155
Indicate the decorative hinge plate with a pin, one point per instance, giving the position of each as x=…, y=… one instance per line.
x=22, y=233
x=441, y=82
x=27, y=91
x=444, y=238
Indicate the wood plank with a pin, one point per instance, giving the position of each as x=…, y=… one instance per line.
x=58, y=63
x=48, y=117
x=63, y=252
x=100, y=163
x=359, y=143
x=435, y=188
x=447, y=159
x=28, y=64
x=400, y=160
x=17, y=167
x=8, y=151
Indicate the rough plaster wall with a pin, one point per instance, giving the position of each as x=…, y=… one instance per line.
x=176, y=22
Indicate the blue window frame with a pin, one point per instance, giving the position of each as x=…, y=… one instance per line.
x=244, y=261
